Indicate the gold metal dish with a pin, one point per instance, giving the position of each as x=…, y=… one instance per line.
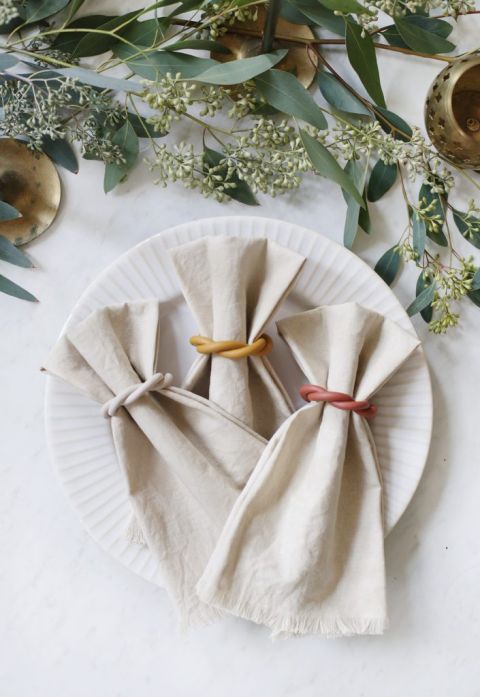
x=245, y=40
x=30, y=183
x=452, y=112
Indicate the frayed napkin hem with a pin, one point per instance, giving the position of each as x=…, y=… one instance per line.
x=297, y=625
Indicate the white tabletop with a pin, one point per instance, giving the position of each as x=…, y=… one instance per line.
x=75, y=622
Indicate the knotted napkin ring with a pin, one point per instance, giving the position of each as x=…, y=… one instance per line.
x=233, y=349
x=158, y=381
x=340, y=400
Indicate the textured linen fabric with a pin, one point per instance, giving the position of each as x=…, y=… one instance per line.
x=303, y=548
x=233, y=286
x=185, y=460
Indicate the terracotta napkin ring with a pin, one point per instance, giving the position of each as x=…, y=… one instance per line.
x=340, y=400
x=233, y=349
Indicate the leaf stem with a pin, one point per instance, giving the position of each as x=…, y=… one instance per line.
x=271, y=20
x=245, y=31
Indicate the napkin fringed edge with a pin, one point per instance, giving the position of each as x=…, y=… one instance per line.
x=294, y=625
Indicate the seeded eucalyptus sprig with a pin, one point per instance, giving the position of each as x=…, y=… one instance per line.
x=255, y=128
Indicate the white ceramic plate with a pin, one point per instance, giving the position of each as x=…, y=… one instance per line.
x=80, y=439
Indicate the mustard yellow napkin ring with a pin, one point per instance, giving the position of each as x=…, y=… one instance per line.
x=233, y=349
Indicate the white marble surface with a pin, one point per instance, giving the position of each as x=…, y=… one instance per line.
x=76, y=623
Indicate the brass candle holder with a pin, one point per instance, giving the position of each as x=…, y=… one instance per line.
x=452, y=112
x=30, y=183
x=246, y=39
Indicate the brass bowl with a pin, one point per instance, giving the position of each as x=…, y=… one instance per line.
x=245, y=40
x=452, y=112
x=30, y=183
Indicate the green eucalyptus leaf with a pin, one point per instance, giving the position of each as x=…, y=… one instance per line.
x=142, y=128
x=7, y=60
x=474, y=296
x=67, y=41
x=90, y=77
x=433, y=25
x=471, y=231
x=423, y=301
x=388, y=265
x=422, y=284
x=419, y=234
x=10, y=288
x=242, y=192
x=427, y=197
x=35, y=10
x=127, y=141
x=338, y=96
x=364, y=221
x=357, y=173
x=344, y=6
x=419, y=39
x=394, y=124
x=8, y=212
x=361, y=54
x=382, y=179
x=292, y=14
x=146, y=33
x=283, y=91
x=198, y=44
x=93, y=43
x=61, y=152
x=319, y=15
x=13, y=255
x=73, y=8
x=156, y=64
x=391, y=35
x=11, y=25
x=237, y=71
x=476, y=280
x=328, y=167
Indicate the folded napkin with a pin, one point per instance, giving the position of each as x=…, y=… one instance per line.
x=302, y=550
x=185, y=460
x=233, y=286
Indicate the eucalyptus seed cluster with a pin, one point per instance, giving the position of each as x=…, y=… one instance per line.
x=402, y=7
x=369, y=19
x=243, y=102
x=427, y=211
x=269, y=158
x=416, y=156
x=35, y=108
x=182, y=164
x=472, y=222
x=452, y=284
x=170, y=97
x=222, y=15
x=406, y=251
x=32, y=111
x=8, y=11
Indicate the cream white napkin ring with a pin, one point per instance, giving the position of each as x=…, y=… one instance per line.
x=158, y=381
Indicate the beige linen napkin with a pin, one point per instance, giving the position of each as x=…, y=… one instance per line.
x=233, y=285
x=302, y=550
x=185, y=460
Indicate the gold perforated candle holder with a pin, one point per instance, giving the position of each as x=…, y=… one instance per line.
x=452, y=112
x=245, y=40
x=30, y=183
